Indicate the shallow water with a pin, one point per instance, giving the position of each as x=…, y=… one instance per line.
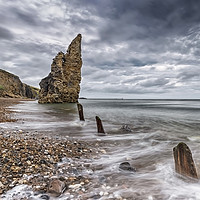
x=157, y=126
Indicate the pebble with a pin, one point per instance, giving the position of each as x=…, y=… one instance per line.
x=32, y=159
x=101, y=193
x=75, y=186
x=1, y=185
x=103, y=151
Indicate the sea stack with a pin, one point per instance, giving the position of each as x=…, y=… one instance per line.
x=63, y=82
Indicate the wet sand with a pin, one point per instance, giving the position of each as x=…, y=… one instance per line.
x=5, y=112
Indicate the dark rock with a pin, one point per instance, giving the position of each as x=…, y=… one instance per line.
x=184, y=163
x=126, y=128
x=63, y=82
x=45, y=197
x=43, y=162
x=126, y=167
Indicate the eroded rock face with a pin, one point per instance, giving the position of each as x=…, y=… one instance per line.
x=63, y=82
x=12, y=87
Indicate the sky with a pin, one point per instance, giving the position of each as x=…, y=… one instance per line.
x=130, y=48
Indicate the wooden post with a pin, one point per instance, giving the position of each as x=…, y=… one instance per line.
x=184, y=163
x=80, y=111
x=99, y=125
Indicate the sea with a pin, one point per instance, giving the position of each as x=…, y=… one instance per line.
x=142, y=132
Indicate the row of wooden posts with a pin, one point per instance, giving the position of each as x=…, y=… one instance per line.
x=100, y=128
x=184, y=163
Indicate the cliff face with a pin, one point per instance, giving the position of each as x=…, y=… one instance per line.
x=63, y=82
x=11, y=86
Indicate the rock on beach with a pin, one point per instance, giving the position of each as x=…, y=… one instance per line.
x=56, y=187
x=126, y=166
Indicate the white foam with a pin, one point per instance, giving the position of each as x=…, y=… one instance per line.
x=194, y=138
x=18, y=192
x=175, y=187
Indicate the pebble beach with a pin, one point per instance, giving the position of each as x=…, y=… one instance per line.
x=49, y=166
x=46, y=152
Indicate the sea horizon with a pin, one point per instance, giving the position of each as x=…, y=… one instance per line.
x=102, y=98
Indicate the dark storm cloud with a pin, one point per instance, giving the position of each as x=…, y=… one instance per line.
x=28, y=17
x=154, y=82
x=40, y=48
x=140, y=63
x=150, y=19
x=153, y=20
x=17, y=15
x=128, y=47
x=5, y=34
x=188, y=74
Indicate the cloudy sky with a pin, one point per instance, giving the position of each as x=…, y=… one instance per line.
x=130, y=48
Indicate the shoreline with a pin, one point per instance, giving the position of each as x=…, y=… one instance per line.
x=6, y=114
x=35, y=160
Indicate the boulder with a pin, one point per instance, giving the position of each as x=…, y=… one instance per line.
x=63, y=82
x=126, y=166
x=56, y=187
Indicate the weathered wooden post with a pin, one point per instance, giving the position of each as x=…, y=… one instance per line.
x=80, y=111
x=184, y=163
x=99, y=125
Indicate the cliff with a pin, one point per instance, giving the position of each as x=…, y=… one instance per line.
x=63, y=82
x=11, y=86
